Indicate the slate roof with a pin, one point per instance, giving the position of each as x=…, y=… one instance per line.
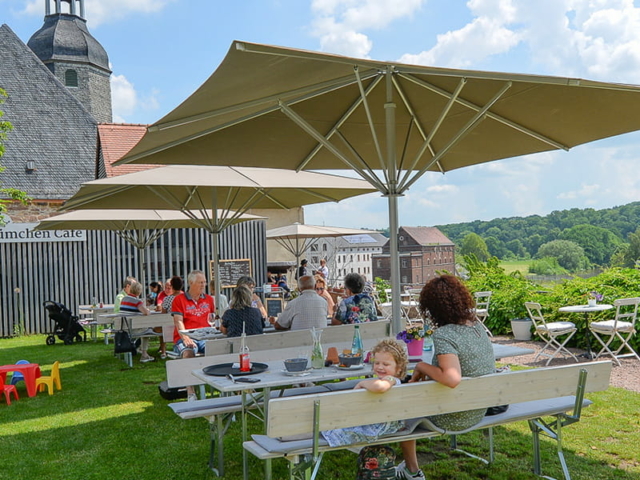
x=379, y=241
x=427, y=235
x=50, y=126
x=114, y=141
x=65, y=37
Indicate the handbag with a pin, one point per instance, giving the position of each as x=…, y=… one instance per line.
x=122, y=343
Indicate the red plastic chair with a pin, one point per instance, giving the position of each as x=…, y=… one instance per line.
x=8, y=390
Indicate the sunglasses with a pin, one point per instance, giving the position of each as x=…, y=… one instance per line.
x=319, y=289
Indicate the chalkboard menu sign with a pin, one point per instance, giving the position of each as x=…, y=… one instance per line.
x=274, y=306
x=231, y=271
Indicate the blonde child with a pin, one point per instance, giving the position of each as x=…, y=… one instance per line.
x=389, y=366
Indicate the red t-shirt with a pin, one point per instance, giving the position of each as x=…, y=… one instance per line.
x=161, y=296
x=195, y=312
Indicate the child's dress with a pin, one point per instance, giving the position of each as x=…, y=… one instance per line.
x=363, y=433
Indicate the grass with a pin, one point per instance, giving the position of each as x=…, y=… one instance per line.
x=513, y=265
x=109, y=422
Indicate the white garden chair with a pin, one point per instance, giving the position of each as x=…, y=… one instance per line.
x=482, y=308
x=550, y=332
x=622, y=327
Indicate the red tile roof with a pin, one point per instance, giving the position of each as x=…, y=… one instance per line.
x=427, y=235
x=116, y=139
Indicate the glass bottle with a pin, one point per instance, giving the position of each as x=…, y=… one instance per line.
x=317, y=357
x=356, y=344
x=245, y=362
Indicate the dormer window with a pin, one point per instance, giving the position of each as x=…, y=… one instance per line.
x=70, y=78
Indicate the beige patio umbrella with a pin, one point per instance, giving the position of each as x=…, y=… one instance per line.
x=297, y=238
x=230, y=191
x=141, y=228
x=389, y=122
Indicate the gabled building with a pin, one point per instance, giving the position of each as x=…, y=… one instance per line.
x=424, y=251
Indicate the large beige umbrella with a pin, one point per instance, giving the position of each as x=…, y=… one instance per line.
x=389, y=122
x=297, y=238
x=230, y=191
x=141, y=228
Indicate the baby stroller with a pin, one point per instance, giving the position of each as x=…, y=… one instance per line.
x=68, y=328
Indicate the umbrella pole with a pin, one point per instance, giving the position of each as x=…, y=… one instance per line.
x=396, y=312
x=141, y=253
x=215, y=238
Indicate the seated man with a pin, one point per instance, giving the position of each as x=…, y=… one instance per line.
x=191, y=309
x=307, y=311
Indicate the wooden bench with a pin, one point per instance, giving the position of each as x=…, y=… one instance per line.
x=298, y=338
x=531, y=394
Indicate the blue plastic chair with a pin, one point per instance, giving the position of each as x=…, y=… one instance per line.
x=17, y=376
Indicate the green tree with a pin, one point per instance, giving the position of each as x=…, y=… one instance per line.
x=496, y=247
x=11, y=193
x=632, y=253
x=598, y=243
x=570, y=255
x=516, y=247
x=474, y=244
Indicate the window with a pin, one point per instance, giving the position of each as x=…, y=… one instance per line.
x=314, y=247
x=351, y=259
x=379, y=263
x=314, y=260
x=324, y=247
x=358, y=260
x=70, y=78
x=404, y=264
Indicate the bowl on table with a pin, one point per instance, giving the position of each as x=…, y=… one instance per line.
x=296, y=364
x=349, y=360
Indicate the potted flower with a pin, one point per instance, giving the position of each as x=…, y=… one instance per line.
x=593, y=298
x=414, y=337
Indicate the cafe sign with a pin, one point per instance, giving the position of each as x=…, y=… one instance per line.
x=25, y=233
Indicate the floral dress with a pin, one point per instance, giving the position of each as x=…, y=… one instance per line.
x=358, y=308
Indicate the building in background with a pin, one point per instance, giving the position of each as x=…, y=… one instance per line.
x=424, y=252
x=349, y=254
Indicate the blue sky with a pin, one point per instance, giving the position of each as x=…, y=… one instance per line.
x=162, y=50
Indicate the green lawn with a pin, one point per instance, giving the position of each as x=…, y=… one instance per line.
x=109, y=422
x=513, y=265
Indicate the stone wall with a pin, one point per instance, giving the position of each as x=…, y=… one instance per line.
x=33, y=212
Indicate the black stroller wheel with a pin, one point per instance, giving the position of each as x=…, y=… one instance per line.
x=68, y=340
x=78, y=338
x=50, y=340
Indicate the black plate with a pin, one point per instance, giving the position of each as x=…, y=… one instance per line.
x=223, y=369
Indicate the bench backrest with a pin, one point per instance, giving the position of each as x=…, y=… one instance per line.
x=295, y=415
x=297, y=338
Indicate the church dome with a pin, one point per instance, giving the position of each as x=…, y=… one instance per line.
x=65, y=37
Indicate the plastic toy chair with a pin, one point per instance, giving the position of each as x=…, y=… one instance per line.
x=8, y=390
x=50, y=380
x=17, y=376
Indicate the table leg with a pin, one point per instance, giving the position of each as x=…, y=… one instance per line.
x=267, y=463
x=30, y=380
x=589, y=354
x=245, y=463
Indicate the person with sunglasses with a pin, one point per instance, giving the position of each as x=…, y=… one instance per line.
x=321, y=289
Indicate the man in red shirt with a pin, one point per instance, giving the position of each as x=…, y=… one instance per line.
x=191, y=309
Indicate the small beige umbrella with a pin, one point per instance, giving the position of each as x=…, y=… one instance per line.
x=297, y=238
x=388, y=121
x=141, y=228
x=230, y=191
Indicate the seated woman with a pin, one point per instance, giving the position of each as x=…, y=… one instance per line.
x=461, y=349
x=282, y=284
x=133, y=303
x=250, y=283
x=358, y=307
x=241, y=313
x=321, y=289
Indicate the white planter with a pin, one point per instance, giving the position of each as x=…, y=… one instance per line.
x=521, y=328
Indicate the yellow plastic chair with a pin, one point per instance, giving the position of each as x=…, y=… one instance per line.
x=49, y=381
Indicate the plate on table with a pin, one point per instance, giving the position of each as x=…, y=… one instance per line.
x=224, y=369
x=352, y=367
x=302, y=373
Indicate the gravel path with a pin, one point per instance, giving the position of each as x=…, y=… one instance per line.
x=626, y=376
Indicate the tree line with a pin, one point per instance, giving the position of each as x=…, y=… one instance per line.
x=569, y=240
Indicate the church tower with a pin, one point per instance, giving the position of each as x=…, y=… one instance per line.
x=66, y=47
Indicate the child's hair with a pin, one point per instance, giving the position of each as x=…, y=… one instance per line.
x=397, y=351
x=136, y=289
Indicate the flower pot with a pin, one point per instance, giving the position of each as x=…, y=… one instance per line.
x=428, y=344
x=414, y=348
x=521, y=328
x=591, y=302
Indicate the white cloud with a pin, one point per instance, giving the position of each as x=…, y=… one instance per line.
x=124, y=98
x=443, y=189
x=339, y=23
x=98, y=11
x=585, y=191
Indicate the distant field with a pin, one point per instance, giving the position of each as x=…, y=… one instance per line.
x=513, y=265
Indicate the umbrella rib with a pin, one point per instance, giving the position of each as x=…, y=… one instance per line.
x=491, y=115
x=477, y=118
x=366, y=173
x=443, y=115
x=303, y=93
x=367, y=110
x=340, y=122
